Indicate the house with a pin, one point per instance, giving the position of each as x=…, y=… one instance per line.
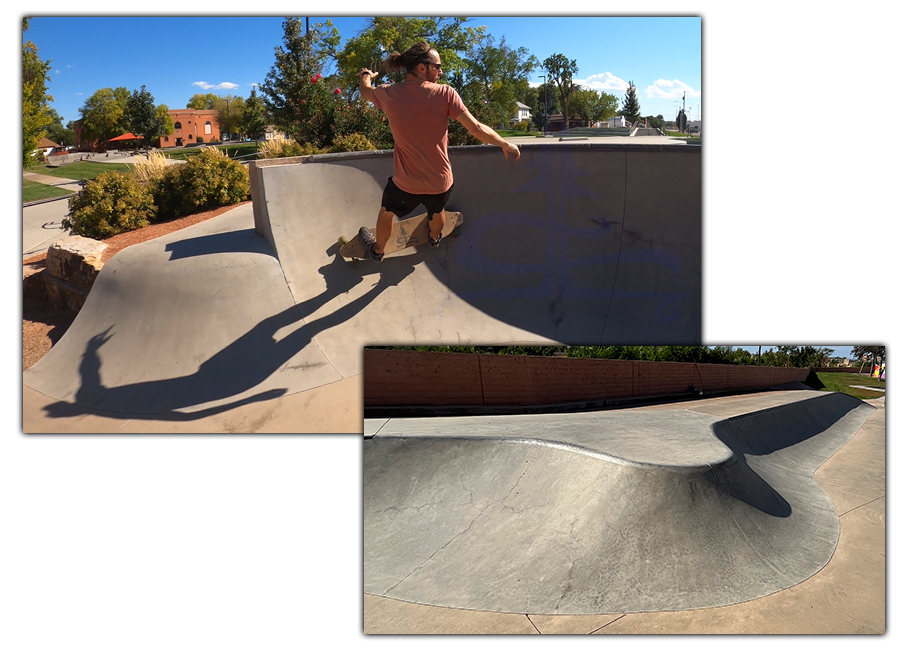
x=555, y=121
x=272, y=133
x=523, y=112
x=46, y=147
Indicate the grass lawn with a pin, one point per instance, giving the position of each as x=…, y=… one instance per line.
x=35, y=191
x=506, y=133
x=232, y=150
x=826, y=381
x=80, y=170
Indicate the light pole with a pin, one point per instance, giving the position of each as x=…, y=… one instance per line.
x=544, y=128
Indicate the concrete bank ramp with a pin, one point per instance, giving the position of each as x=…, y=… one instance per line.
x=570, y=244
x=573, y=244
x=555, y=525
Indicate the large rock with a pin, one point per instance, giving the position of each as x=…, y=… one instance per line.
x=76, y=260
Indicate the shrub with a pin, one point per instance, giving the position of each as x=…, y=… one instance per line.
x=362, y=117
x=150, y=167
x=112, y=203
x=522, y=125
x=286, y=147
x=206, y=180
x=352, y=143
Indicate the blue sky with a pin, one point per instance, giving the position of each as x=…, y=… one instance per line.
x=179, y=56
x=839, y=351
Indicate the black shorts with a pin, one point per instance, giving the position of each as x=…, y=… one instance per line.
x=395, y=200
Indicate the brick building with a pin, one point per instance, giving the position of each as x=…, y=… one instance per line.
x=191, y=127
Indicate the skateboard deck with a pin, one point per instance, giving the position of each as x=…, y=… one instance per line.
x=406, y=233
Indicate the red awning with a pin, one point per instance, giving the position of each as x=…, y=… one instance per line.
x=126, y=137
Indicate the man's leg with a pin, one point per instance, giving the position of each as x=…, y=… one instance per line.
x=436, y=224
x=383, y=228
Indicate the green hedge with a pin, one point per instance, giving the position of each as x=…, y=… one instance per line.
x=112, y=203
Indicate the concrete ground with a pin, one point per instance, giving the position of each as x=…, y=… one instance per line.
x=846, y=596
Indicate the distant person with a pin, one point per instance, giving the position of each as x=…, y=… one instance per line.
x=417, y=110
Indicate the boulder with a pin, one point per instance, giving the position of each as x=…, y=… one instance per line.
x=76, y=260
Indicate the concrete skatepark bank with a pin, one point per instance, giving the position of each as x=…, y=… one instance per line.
x=605, y=512
x=571, y=244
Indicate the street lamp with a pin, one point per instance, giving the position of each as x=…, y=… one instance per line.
x=544, y=128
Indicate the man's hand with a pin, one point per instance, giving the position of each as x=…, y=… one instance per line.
x=510, y=149
x=372, y=74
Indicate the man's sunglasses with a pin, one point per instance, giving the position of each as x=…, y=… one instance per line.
x=431, y=64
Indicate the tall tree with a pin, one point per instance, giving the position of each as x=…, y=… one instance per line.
x=142, y=117
x=254, y=120
x=165, y=120
x=230, y=110
x=294, y=98
x=543, y=102
x=631, y=109
x=496, y=76
x=35, y=100
x=561, y=70
x=385, y=34
x=103, y=114
x=203, y=102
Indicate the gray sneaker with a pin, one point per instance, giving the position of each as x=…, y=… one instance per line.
x=368, y=241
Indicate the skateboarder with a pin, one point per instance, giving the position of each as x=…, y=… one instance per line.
x=417, y=110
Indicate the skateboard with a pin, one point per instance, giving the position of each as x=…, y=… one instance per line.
x=406, y=233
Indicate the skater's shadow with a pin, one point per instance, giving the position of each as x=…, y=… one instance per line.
x=241, y=365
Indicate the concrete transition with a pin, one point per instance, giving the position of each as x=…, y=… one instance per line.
x=604, y=512
x=578, y=244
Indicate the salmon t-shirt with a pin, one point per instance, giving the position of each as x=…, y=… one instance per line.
x=417, y=113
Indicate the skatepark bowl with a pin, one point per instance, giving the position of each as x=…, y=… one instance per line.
x=603, y=512
x=575, y=244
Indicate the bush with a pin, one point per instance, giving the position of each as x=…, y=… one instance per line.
x=352, y=143
x=112, y=203
x=362, y=117
x=206, y=180
x=521, y=126
x=286, y=147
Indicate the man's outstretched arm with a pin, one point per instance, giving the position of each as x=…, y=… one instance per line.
x=366, y=77
x=487, y=135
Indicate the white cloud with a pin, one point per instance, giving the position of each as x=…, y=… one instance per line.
x=605, y=82
x=663, y=89
x=225, y=85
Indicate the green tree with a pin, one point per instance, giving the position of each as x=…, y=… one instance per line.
x=631, y=109
x=561, y=70
x=254, y=118
x=496, y=76
x=143, y=118
x=385, y=34
x=295, y=96
x=864, y=354
x=230, y=111
x=166, y=121
x=35, y=100
x=543, y=102
x=593, y=107
x=203, y=102
x=103, y=115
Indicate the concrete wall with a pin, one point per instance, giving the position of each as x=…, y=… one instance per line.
x=410, y=378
